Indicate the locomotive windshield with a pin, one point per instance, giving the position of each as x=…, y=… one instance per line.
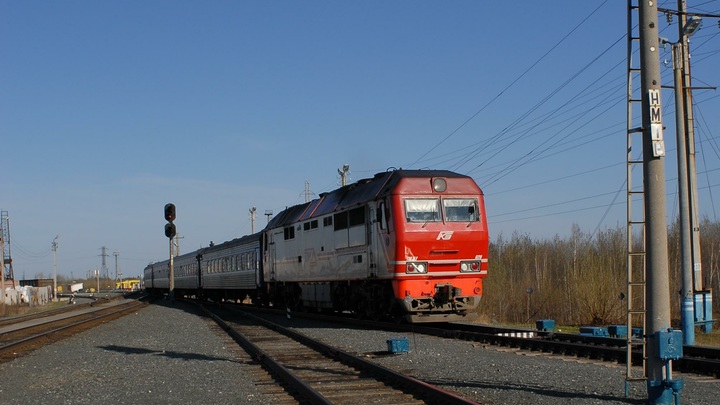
x=461, y=210
x=454, y=210
x=422, y=210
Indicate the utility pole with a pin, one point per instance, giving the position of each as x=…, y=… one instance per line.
x=658, y=283
x=684, y=34
x=104, y=269
x=54, y=248
x=343, y=174
x=308, y=193
x=252, y=220
x=689, y=232
x=176, y=244
x=116, y=254
x=268, y=214
x=2, y=270
x=688, y=298
x=7, y=267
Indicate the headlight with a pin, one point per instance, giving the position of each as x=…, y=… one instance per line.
x=416, y=268
x=469, y=266
x=439, y=185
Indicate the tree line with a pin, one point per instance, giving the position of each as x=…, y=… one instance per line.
x=580, y=279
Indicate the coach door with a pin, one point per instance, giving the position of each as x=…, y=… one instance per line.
x=380, y=238
x=199, y=259
x=270, y=256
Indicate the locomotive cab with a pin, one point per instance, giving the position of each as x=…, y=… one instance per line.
x=441, y=250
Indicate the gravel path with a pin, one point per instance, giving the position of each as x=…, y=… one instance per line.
x=166, y=354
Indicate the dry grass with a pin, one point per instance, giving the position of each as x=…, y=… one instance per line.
x=14, y=310
x=708, y=339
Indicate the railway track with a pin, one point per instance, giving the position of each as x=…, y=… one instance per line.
x=696, y=359
x=321, y=374
x=29, y=333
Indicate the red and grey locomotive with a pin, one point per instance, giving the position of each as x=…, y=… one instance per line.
x=405, y=244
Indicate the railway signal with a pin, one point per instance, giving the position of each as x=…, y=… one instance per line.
x=170, y=216
x=170, y=230
x=170, y=212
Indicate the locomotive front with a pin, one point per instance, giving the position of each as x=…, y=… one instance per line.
x=440, y=247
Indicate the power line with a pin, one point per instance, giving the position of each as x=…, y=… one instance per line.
x=517, y=79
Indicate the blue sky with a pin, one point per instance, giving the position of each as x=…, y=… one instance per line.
x=111, y=109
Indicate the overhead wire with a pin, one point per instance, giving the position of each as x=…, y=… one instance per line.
x=612, y=203
x=517, y=79
x=493, y=146
x=702, y=154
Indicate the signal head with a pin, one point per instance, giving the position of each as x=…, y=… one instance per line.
x=170, y=230
x=170, y=212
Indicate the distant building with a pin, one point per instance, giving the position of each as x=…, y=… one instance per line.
x=128, y=285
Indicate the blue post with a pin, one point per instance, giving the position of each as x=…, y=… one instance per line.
x=670, y=347
x=688, y=321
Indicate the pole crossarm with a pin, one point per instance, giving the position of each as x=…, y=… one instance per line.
x=686, y=13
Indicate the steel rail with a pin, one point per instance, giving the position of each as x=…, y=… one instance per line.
x=415, y=386
x=94, y=317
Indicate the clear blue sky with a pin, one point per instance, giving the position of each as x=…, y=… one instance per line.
x=110, y=109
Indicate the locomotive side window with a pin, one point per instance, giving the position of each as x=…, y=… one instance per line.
x=357, y=216
x=381, y=215
x=461, y=210
x=341, y=221
x=422, y=210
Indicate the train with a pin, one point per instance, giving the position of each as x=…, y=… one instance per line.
x=404, y=245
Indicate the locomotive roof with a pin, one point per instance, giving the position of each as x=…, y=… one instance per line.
x=352, y=195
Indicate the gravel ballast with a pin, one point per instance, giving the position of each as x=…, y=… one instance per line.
x=167, y=354
x=159, y=355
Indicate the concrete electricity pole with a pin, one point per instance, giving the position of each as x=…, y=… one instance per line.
x=343, y=174
x=54, y=248
x=658, y=283
x=2, y=270
x=686, y=185
x=116, y=254
x=252, y=219
x=686, y=28
x=308, y=193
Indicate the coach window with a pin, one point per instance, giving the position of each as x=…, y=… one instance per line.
x=289, y=232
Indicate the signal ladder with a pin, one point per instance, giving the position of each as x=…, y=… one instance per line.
x=636, y=226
